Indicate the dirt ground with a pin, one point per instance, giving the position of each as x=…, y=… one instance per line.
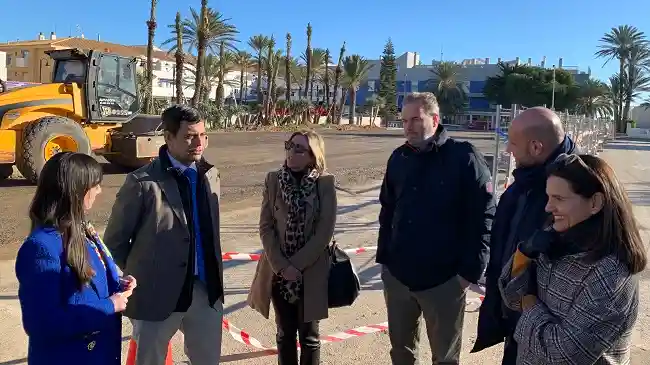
x=356, y=227
x=243, y=159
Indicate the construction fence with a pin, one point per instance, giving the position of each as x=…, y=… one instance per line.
x=590, y=134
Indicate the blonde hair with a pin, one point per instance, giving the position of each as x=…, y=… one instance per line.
x=427, y=101
x=317, y=147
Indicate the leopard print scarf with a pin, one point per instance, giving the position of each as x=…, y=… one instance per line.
x=294, y=194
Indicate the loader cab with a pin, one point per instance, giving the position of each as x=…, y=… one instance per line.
x=108, y=81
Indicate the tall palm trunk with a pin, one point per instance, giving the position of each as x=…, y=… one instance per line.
x=353, y=106
x=337, y=80
x=308, y=60
x=259, y=76
x=326, y=79
x=339, y=112
x=619, y=105
x=200, y=60
x=287, y=70
x=151, y=28
x=222, y=74
x=241, y=85
x=269, y=74
x=180, y=61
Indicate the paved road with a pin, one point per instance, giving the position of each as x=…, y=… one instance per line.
x=243, y=159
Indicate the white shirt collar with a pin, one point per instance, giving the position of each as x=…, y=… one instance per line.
x=179, y=165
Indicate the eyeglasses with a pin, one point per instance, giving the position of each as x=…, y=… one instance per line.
x=295, y=148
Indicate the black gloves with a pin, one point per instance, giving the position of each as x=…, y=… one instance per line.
x=538, y=243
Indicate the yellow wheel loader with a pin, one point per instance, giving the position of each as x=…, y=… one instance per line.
x=91, y=106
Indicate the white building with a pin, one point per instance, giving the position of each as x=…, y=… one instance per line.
x=3, y=66
x=641, y=115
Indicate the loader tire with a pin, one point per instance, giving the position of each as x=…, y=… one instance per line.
x=6, y=170
x=44, y=138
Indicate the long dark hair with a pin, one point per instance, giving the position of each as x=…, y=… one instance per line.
x=58, y=202
x=618, y=231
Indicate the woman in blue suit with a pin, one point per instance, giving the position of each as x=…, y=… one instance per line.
x=70, y=290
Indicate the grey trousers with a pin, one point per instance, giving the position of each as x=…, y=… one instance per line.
x=443, y=309
x=201, y=325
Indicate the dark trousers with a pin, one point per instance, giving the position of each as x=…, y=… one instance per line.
x=288, y=318
x=509, y=351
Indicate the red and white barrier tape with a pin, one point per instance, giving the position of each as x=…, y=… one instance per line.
x=238, y=256
x=242, y=336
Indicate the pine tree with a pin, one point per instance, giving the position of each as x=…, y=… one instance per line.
x=388, y=81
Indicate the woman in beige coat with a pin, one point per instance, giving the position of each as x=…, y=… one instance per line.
x=296, y=226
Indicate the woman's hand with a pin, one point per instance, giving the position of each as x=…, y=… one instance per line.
x=119, y=301
x=291, y=273
x=128, y=283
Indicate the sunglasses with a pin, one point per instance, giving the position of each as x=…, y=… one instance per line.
x=564, y=160
x=295, y=148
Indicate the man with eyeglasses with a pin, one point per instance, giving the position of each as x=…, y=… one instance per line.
x=535, y=138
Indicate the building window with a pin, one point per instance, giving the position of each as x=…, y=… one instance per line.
x=8, y=60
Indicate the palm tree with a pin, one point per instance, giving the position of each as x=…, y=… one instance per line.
x=201, y=44
x=594, y=99
x=205, y=30
x=298, y=74
x=355, y=70
x=308, y=60
x=225, y=60
x=618, y=44
x=317, y=60
x=337, y=79
x=447, y=88
x=326, y=78
x=259, y=43
x=639, y=56
x=243, y=60
x=209, y=75
x=151, y=30
x=287, y=70
x=180, y=58
x=269, y=74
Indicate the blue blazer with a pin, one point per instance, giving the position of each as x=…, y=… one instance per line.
x=66, y=325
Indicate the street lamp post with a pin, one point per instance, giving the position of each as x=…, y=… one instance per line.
x=553, y=95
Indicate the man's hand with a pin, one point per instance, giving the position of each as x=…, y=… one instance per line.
x=538, y=243
x=463, y=283
x=291, y=273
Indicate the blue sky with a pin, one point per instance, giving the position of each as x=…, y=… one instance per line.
x=463, y=29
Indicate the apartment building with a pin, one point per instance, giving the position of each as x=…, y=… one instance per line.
x=413, y=76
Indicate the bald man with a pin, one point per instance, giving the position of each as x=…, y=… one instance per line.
x=535, y=138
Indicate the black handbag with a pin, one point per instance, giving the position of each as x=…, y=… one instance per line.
x=343, y=286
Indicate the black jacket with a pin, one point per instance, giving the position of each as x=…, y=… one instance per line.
x=437, y=207
x=521, y=211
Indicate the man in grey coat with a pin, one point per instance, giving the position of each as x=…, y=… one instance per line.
x=164, y=230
